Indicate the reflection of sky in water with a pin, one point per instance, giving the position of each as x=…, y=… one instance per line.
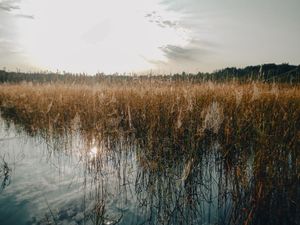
x=37, y=180
x=63, y=186
x=45, y=182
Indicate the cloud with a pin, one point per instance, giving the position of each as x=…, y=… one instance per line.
x=10, y=50
x=189, y=58
x=169, y=23
x=184, y=54
x=153, y=17
x=9, y=6
x=25, y=16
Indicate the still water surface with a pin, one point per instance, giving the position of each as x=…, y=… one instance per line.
x=85, y=177
x=50, y=182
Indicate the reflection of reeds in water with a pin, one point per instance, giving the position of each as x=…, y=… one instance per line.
x=4, y=173
x=225, y=153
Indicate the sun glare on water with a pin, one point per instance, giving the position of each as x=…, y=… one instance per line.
x=93, y=152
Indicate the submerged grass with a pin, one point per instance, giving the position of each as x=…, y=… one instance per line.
x=254, y=124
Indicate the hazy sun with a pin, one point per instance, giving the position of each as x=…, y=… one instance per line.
x=96, y=36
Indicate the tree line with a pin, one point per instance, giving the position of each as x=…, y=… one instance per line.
x=266, y=72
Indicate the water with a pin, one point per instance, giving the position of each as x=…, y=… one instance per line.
x=72, y=179
x=38, y=181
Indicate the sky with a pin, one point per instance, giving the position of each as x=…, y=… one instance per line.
x=142, y=36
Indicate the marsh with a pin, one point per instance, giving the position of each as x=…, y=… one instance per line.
x=175, y=153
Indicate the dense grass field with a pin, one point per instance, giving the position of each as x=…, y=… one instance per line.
x=172, y=121
x=181, y=112
x=164, y=115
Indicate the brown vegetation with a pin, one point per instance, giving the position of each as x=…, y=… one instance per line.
x=176, y=121
x=171, y=114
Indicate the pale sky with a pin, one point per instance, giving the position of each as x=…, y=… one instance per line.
x=162, y=36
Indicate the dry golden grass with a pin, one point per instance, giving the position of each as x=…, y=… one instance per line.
x=180, y=120
x=172, y=114
x=164, y=117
